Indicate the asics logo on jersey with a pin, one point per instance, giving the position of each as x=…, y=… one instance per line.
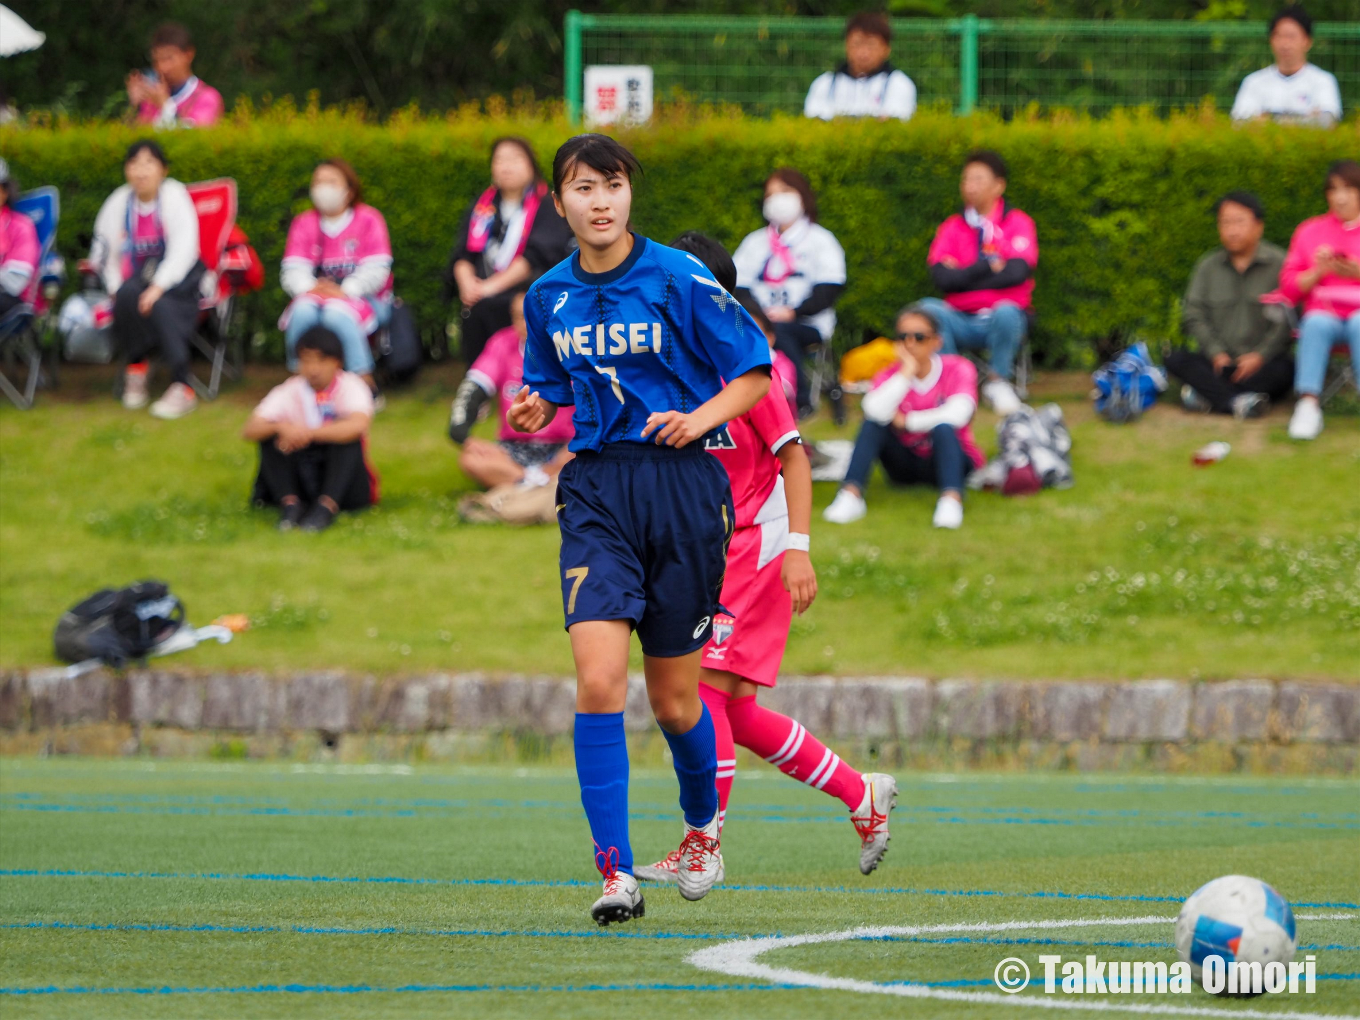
x=614, y=338
x=562, y=300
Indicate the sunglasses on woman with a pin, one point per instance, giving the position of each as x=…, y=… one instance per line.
x=920, y=338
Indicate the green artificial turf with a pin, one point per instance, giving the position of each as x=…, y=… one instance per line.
x=1148, y=567
x=187, y=885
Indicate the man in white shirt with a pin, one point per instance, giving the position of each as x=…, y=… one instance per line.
x=866, y=85
x=1291, y=89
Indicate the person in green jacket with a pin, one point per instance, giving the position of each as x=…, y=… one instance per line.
x=1243, y=359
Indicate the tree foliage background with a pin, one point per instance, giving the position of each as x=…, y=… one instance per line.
x=438, y=53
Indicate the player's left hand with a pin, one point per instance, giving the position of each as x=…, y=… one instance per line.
x=800, y=580
x=674, y=428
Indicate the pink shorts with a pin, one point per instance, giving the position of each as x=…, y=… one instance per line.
x=749, y=638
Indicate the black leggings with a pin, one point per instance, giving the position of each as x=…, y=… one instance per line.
x=336, y=470
x=173, y=320
x=1274, y=378
x=487, y=316
x=794, y=339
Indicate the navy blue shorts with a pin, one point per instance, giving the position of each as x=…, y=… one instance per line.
x=644, y=539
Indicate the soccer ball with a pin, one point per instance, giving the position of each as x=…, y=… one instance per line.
x=1237, y=918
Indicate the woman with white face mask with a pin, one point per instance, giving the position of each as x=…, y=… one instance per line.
x=337, y=267
x=794, y=268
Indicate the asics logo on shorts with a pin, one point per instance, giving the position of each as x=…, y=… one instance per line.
x=702, y=624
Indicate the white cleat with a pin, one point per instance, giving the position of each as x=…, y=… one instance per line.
x=662, y=871
x=701, y=865
x=846, y=508
x=622, y=899
x=870, y=819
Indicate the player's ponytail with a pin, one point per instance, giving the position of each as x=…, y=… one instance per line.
x=599, y=152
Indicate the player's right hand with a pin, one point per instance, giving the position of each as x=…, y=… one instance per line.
x=527, y=414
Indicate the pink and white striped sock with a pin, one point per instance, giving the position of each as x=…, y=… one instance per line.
x=717, y=702
x=786, y=744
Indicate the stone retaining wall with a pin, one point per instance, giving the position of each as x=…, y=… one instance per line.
x=1101, y=724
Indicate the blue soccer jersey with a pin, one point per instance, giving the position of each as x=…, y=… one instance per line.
x=656, y=333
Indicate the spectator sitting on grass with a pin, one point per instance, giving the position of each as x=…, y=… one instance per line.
x=1243, y=360
x=1322, y=270
x=916, y=422
x=983, y=258
x=1291, y=89
x=337, y=267
x=173, y=96
x=19, y=248
x=866, y=85
x=508, y=238
x=517, y=456
x=795, y=269
x=312, y=430
x=146, y=250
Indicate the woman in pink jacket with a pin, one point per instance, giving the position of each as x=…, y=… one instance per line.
x=1322, y=271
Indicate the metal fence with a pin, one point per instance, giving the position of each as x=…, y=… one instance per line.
x=764, y=64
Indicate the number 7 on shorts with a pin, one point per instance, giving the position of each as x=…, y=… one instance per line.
x=576, y=575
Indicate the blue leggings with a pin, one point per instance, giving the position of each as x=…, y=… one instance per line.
x=1320, y=330
x=305, y=315
x=945, y=468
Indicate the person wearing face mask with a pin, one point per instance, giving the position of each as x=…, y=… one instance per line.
x=1291, y=89
x=983, y=258
x=794, y=268
x=866, y=85
x=337, y=268
x=146, y=251
x=508, y=238
x=173, y=96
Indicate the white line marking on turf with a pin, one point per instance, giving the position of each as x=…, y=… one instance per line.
x=739, y=959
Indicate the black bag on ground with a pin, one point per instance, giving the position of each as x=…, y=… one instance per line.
x=118, y=625
x=399, y=352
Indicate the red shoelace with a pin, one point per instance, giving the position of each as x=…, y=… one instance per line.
x=694, y=846
x=608, y=863
x=869, y=828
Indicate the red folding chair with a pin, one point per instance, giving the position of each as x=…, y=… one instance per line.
x=215, y=204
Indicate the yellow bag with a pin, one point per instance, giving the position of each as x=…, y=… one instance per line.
x=861, y=364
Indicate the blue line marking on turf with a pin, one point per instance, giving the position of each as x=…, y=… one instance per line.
x=255, y=929
x=574, y=882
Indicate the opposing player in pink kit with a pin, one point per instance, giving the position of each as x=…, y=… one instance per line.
x=769, y=578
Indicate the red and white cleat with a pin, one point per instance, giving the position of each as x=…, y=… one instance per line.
x=701, y=864
x=870, y=819
x=622, y=899
x=662, y=871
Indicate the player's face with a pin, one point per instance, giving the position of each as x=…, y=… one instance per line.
x=596, y=207
x=319, y=370
x=1290, y=44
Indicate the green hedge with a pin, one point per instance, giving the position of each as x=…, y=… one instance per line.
x=1123, y=204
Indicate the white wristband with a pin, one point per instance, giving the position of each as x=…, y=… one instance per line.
x=798, y=542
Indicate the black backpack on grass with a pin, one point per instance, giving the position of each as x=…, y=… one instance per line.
x=118, y=625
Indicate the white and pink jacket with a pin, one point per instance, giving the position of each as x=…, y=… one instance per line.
x=351, y=249
x=19, y=254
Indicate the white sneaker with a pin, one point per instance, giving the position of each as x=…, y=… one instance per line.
x=1306, y=422
x=701, y=864
x=134, y=390
x=662, y=871
x=178, y=401
x=846, y=507
x=1001, y=395
x=870, y=819
x=948, y=513
x=622, y=899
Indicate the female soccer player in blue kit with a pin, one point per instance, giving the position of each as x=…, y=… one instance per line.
x=640, y=338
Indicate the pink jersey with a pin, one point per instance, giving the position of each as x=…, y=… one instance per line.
x=950, y=374
x=363, y=237
x=146, y=238
x=197, y=104
x=19, y=249
x=499, y=369
x=1336, y=294
x=747, y=449
x=786, y=377
x=1007, y=234
x=294, y=400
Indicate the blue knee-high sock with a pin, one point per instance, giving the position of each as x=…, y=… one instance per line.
x=602, y=769
x=696, y=766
